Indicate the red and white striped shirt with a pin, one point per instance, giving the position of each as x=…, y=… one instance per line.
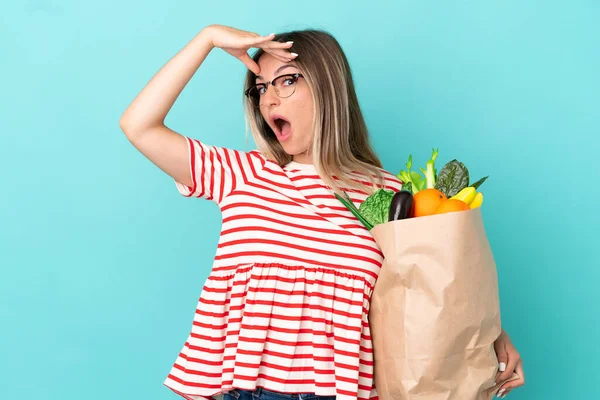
x=285, y=306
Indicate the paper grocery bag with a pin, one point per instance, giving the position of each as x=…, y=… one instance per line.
x=435, y=310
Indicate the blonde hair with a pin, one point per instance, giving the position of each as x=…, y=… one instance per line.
x=341, y=146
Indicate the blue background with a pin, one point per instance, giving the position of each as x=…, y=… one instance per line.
x=103, y=261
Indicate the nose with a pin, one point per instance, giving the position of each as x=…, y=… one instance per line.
x=270, y=98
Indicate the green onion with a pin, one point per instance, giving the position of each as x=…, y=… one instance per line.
x=350, y=206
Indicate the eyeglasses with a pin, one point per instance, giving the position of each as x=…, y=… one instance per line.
x=284, y=86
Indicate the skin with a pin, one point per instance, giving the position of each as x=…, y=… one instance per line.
x=508, y=354
x=143, y=122
x=297, y=109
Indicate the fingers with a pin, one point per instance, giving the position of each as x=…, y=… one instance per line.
x=277, y=45
x=279, y=50
x=250, y=63
x=520, y=372
x=510, y=386
x=282, y=55
x=256, y=41
x=513, y=360
x=502, y=355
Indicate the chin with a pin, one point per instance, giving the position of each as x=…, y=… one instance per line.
x=291, y=150
x=295, y=149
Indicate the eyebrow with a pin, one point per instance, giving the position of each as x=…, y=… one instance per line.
x=278, y=70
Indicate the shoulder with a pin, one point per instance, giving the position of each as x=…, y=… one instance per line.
x=248, y=159
x=262, y=163
x=263, y=160
x=391, y=180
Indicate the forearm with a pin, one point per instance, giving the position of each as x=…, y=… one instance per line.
x=151, y=106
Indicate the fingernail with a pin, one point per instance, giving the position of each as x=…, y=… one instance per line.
x=290, y=42
x=500, y=393
x=295, y=55
x=504, y=395
x=502, y=366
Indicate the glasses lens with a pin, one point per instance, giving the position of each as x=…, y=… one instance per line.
x=254, y=96
x=285, y=85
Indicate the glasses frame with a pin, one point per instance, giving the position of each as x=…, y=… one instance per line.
x=295, y=76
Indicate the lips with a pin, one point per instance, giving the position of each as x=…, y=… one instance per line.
x=281, y=127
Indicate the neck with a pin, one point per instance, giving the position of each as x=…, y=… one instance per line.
x=303, y=159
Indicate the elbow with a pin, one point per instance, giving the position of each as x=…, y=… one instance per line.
x=128, y=128
x=124, y=124
x=134, y=130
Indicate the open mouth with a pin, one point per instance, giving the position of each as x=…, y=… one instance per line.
x=283, y=128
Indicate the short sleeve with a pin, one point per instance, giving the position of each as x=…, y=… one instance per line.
x=215, y=171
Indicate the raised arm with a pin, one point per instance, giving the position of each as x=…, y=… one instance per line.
x=143, y=121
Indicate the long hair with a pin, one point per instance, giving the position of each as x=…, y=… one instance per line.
x=341, y=146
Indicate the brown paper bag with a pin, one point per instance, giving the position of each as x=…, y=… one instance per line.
x=435, y=311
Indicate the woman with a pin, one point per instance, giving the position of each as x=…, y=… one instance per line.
x=284, y=310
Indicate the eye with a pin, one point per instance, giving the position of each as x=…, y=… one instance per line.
x=288, y=81
x=261, y=89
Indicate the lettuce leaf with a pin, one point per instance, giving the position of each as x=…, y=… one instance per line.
x=376, y=208
x=453, y=178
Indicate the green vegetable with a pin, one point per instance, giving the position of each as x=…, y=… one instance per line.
x=479, y=182
x=416, y=181
x=453, y=178
x=379, y=207
x=375, y=209
x=350, y=206
x=429, y=171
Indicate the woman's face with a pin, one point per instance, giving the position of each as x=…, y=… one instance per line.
x=291, y=118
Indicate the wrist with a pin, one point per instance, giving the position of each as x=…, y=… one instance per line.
x=206, y=35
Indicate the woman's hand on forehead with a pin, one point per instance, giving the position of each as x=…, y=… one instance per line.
x=237, y=43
